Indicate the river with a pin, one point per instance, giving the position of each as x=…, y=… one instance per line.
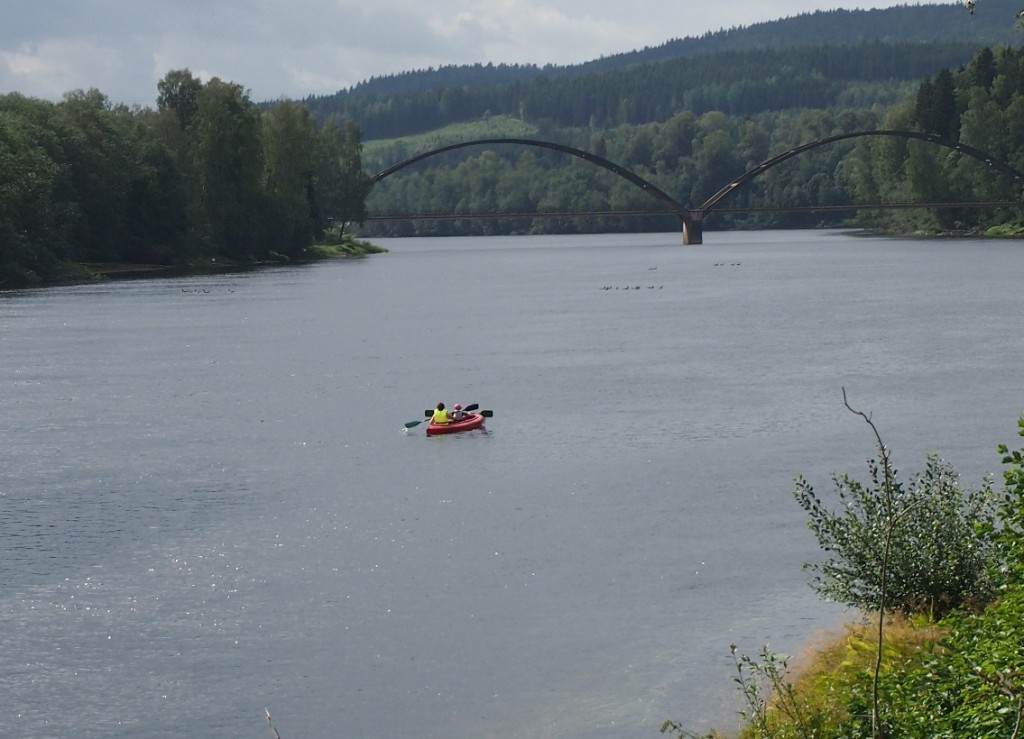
x=209, y=504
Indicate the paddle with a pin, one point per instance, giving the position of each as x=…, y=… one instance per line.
x=414, y=424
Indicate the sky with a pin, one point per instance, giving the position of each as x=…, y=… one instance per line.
x=297, y=48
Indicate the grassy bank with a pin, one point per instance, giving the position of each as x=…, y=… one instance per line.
x=947, y=659
x=962, y=676
x=343, y=246
x=959, y=677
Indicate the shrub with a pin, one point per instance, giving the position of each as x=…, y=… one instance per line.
x=1010, y=538
x=941, y=550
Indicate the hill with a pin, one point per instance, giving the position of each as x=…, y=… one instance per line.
x=810, y=60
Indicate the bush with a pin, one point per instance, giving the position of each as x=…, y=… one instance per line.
x=941, y=551
x=1011, y=536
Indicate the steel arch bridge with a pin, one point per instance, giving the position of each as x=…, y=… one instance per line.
x=692, y=219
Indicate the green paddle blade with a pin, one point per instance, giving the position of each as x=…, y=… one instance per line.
x=413, y=424
x=487, y=414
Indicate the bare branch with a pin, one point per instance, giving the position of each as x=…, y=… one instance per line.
x=876, y=724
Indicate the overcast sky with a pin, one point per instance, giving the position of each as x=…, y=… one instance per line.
x=295, y=48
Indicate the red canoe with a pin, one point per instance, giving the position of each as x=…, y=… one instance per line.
x=471, y=421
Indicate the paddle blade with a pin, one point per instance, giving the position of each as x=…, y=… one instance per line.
x=413, y=424
x=487, y=414
x=427, y=413
x=471, y=407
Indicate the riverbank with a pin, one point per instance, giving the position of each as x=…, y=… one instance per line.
x=959, y=676
x=72, y=273
x=955, y=671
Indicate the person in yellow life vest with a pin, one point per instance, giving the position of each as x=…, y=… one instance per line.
x=440, y=415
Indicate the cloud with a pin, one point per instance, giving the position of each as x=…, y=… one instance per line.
x=531, y=32
x=50, y=68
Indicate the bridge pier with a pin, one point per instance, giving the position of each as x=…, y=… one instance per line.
x=693, y=229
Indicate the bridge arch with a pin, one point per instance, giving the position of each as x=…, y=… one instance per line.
x=692, y=219
x=671, y=204
x=746, y=177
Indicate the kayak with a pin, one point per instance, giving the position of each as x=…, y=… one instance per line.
x=470, y=422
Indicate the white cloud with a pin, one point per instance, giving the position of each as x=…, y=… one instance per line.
x=50, y=68
x=535, y=32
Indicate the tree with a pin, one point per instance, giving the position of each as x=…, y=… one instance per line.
x=936, y=110
x=179, y=92
x=290, y=148
x=342, y=185
x=114, y=170
x=30, y=246
x=227, y=162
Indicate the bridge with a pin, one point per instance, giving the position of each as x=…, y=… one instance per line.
x=692, y=219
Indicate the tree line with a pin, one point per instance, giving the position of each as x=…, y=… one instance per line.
x=690, y=156
x=207, y=175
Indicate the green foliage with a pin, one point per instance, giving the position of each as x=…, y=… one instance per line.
x=206, y=177
x=969, y=684
x=774, y=705
x=738, y=81
x=227, y=172
x=290, y=149
x=962, y=676
x=692, y=154
x=178, y=92
x=686, y=156
x=1011, y=534
x=941, y=549
x=1005, y=229
x=381, y=153
x=341, y=185
x=342, y=245
x=30, y=180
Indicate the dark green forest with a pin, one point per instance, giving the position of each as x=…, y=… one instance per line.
x=904, y=24
x=211, y=176
x=902, y=43
x=738, y=83
x=206, y=176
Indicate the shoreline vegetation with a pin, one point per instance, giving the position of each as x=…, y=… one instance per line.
x=332, y=247
x=346, y=246
x=937, y=572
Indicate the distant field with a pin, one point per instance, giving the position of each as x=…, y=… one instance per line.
x=484, y=128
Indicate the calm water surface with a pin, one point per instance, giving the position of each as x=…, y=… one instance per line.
x=208, y=506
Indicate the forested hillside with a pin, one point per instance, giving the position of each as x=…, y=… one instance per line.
x=811, y=60
x=691, y=155
x=734, y=82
